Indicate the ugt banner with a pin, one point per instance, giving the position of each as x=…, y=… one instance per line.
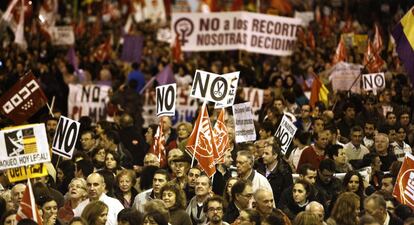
x=404, y=186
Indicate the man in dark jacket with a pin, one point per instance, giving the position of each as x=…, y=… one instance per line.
x=276, y=170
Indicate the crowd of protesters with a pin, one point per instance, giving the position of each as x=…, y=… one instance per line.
x=114, y=179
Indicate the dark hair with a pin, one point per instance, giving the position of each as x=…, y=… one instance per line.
x=348, y=177
x=306, y=185
x=327, y=164
x=157, y=216
x=6, y=214
x=303, y=137
x=3, y=206
x=370, y=121
x=109, y=179
x=68, y=169
x=268, y=127
x=389, y=175
x=303, y=169
x=333, y=150
x=238, y=188
x=117, y=158
x=130, y=215
x=254, y=216
x=180, y=198
x=368, y=159
x=26, y=222
x=214, y=198
x=403, y=211
x=112, y=136
x=147, y=174
x=86, y=166
x=275, y=218
x=356, y=129
x=91, y=132
x=78, y=219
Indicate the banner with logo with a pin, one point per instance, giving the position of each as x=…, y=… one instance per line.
x=23, y=145
x=24, y=173
x=253, y=32
x=404, y=185
x=23, y=99
x=88, y=100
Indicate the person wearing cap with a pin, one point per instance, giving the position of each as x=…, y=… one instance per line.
x=180, y=169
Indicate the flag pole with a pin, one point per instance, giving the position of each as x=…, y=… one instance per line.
x=196, y=142
x=32, y=202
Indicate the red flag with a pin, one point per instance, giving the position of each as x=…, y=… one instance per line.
x=340, y=53
x=318, y=17
x=319, y=92
x=311, y=40
x=158, y=148
x=237, y=5
x=348, y=28
x=27, y=206
x=103, y=51
x=23, y=100
x=201, y=143
x=283, y=6
x=372, y=61
x=177, y=54
x=377, y=43
x=404, y=185
x=221, y=138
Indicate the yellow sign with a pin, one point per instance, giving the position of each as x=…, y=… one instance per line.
x=25, y=172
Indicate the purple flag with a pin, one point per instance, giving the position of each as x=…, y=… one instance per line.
x=72, y=59
x=165, y=76
x=132, y=49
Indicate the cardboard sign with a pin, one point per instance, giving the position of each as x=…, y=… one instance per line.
x=244, y=124
x=23, y=145
x=63, y=35
x=343, y=75
x=89, y=100
x=373, y=81
x=214, y=87
x=166, y=98
x=233, y=79
x=285, y=132
x=253, y=32
x=24, y=173
x=66, y=136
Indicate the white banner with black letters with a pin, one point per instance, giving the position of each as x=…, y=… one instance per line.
x=63, y=35
x=65, y=138
x=166, y=97
x=244, y=124
x=214, y=87
x=285, y=132
x=373, y=81
x=23, y=145
x=253, y=32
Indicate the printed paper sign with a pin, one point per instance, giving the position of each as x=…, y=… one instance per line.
x=214, y=87
x=285, y=132
x=343, y=75
x=306, y=17
x=244, y=124
x=65, y=138
x=23, y=145
x=373, y=81
x=63, y=35
x=24, y=173
x=253, y=32
x=166, y=98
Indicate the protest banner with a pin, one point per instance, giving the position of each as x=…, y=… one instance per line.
x=233, y=80
x=23, y=99
x=343, y=76
x=185, y=110
x=63, y=35
x=164, y=35
x=23, y=145
x=89, y=100
x=214, y=87
x=373, y=81
x=285, y=133
x=404, y=185
x=253, y=32
x=244, y=124
x=26, y=172
x=66, y=135
x=166, y=98
x=306, y=17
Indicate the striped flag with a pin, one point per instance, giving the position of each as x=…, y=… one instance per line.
x=158, y=147
x=340, y=53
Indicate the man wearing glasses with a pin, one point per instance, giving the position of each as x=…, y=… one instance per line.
x=213, y=208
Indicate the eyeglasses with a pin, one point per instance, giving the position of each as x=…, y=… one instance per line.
x=219, y=209
x=247, y=195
